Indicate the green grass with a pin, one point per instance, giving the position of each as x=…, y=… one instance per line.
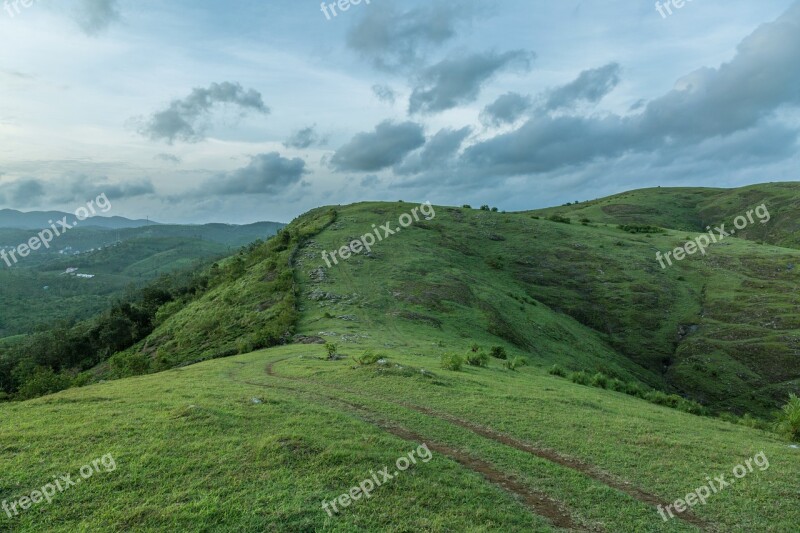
x=514, y=449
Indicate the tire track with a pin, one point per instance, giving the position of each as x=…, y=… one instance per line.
x=538, y=502
x=549, y=455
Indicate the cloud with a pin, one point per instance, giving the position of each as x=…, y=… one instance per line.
x=182, y=119
x=374, y=151
x=265, y=174
x=370, y=180
x=393, y=40
x=72, y=188
x=304, y=138
x=507, y=109
x=438, y=150
x=95, y=16
x=169, y=158
x=458, y=80
x=384, y=93
x=710, y=107
x=591, y=86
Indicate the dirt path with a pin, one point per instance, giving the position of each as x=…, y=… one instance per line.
x=538, y=502
x=543, y=453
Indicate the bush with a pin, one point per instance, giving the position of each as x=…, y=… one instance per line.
x=617, y=385
x=556, y=370
x=559, y=219
x=514, y=363
x=466, y=206
x=484, y=208
x=498, y=352
x=331, y=349
x=478, y=359
x=788, y=424
x=581, y=378
x=43, y=381
x=475, y=348
x=125, y=364
x=600, y=380
x=451, y=361
x=369, y=358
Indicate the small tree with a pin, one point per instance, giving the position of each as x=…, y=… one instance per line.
x=331, y=349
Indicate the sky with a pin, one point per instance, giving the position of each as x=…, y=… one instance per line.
x=192, y=111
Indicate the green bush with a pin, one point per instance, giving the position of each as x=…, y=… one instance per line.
x=559, y=219
x=452, y=361
x=478, y=359
x=788, y=424
x=556, y=370
x=125, y=364
x=331, y=349
x=515, y=362
x=498, y=352
x=600, y=380
x=369, y=358
x=581, y=378
x=43, y=381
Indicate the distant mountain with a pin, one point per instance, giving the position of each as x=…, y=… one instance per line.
x=11, y=218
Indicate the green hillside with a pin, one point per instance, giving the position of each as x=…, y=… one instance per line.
x=257, y=441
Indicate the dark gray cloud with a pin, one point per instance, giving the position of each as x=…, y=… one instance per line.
x=392, y=39
x=439, y=150
x=182, y=119
x=265, y=174
x=95, y=16
x=383, y=148
x=458, y=80
x=305, y=138
x=370, y=180
x=384, y=93
x=169, y=158
x=71, y=188
x=711, y=106
x=507, y=109
x=591, y=86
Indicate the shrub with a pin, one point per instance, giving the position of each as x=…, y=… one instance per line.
x=560, y=219
x=494, y=210
x=125, y=364
x=43, y=381
x=484, y=208
x=452, y=361
x=475, y=348
x=515, y=362
x=600, y=380
x=617, y=385
x=498, y=352
x=478, y=359
x=556, y=370
x=331, y=349
x=467, y=206
x=368, y=358
x=788, y=424
x=581, y=378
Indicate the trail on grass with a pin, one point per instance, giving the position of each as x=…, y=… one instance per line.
x=550, y=455
x=538, y=502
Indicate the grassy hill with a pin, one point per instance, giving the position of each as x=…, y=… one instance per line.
x=257, y=441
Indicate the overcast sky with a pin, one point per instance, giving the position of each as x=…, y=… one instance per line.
x=197, y=111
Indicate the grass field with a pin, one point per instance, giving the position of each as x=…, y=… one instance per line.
x=258, y=441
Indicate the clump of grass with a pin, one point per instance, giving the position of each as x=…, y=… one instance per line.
x=515, y=362
x=480, y=359
x=368, y=358
x=452, y=361
x=788, y=424
x=556, y=370
x=498, y=352
x=581, y=378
